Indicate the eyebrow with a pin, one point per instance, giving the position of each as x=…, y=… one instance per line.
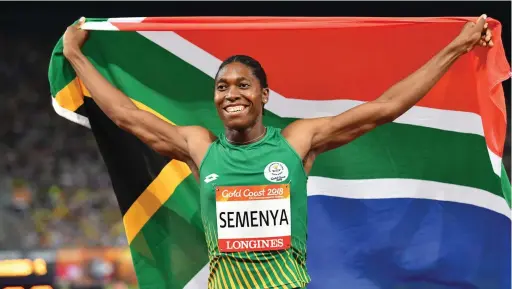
x=240, y=78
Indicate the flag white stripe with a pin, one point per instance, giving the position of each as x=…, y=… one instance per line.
x=495, y=162
x=101, y=26
x=456, y=121
x=70, y=115
x=407, y=188
x=200, y=280
x=126, y=20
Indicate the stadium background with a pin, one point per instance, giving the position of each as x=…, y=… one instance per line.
x=58, y=214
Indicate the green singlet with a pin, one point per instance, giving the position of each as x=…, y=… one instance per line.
x=254, y=211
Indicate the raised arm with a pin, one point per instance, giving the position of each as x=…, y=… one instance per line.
x=313, y=136
x=182, y=143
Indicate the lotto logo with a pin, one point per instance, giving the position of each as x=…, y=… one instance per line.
x=211, y=177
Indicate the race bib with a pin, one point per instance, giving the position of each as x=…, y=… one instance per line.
x=253, y=218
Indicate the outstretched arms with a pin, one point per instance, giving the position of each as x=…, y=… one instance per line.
x=167, y=139
x=313, y=136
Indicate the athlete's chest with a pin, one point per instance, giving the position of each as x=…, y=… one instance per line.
x=259, y=167
x=248, y=196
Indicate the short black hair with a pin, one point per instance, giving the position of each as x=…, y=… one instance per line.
x=250, y=62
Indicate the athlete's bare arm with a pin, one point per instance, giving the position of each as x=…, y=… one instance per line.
x=187, y=144
x=311, y=137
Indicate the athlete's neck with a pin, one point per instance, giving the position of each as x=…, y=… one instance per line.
x=246, y=136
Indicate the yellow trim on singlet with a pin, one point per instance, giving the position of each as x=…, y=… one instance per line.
x=282, y=271
x=228, y=273
x=248, y=270
x=274, y=270
x=243, y=275
x=288, y=267
x=264, y=269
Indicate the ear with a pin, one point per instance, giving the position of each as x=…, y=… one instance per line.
x=264, y=95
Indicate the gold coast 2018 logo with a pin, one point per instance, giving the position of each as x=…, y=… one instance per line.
x=276, y=172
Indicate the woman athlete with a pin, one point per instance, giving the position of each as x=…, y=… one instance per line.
x=253, y=177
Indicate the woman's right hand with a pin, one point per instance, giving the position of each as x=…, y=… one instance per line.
x=74, y=38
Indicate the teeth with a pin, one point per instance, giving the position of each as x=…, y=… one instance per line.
x=235, y=108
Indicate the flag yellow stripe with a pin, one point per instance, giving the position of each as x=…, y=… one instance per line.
x=155, y=195
x=71, y=97
x=144, y=107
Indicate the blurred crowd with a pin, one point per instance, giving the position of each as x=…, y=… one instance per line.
x=54, y=187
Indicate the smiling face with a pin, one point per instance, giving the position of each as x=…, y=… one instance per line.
x=239, y=97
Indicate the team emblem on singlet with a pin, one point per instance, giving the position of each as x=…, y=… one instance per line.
x=253, y=218
x=276, y=172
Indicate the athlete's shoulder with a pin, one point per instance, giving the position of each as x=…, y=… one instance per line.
x=197, y=133
x=199, y=140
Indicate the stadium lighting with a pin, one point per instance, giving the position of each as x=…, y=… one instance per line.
x=16, y=268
